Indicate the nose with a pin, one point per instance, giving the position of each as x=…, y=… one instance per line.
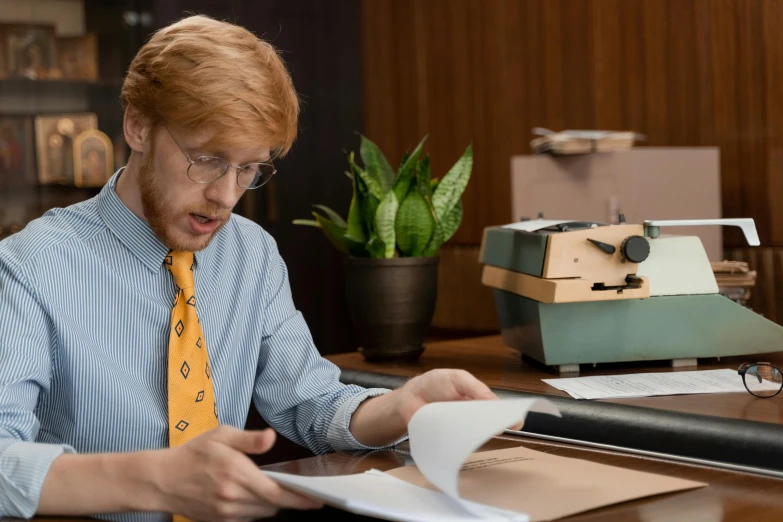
x=225, y=191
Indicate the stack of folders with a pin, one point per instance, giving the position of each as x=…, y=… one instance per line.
x=582, y=141
x=451, y=482
x=735, y=279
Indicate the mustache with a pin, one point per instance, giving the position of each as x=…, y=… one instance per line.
x=213, y=212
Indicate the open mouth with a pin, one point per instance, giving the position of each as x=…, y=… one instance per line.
x=202, y=219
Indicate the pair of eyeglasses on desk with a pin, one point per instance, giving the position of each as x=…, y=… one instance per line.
x=761, y=379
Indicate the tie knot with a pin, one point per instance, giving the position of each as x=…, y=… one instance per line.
x=181, y=265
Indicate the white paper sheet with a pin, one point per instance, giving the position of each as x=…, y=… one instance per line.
x=380, y=495
x=442, y=435
x=651, y=384
x=536, y=224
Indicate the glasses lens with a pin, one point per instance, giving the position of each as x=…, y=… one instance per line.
x=255, y=175
x=763, y=380
x=205, y=169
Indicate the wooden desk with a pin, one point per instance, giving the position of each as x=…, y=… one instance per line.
x=730, y=428
x=502, y=367
x=728, y=497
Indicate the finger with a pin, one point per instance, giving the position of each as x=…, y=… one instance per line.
x=246, y=512
x=518, y=426
x=263, y=488
x=470, y=387
x=278, y=496
x=250, y=441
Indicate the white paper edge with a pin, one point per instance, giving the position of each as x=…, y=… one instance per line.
x=451, y=489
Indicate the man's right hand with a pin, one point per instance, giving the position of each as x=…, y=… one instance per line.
x=212, y=478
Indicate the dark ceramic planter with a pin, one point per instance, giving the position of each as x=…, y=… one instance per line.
x=391, y=302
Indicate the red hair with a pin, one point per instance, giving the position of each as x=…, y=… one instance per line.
x=200, y=72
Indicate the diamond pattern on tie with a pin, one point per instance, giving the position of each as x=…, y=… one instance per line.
x=189, y=393
x=179, y=328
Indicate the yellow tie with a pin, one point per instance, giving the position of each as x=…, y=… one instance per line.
x=192, y=406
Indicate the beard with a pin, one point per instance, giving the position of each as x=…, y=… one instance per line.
x=163, y=217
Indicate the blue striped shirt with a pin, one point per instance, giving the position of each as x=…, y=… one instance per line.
x=85, y=305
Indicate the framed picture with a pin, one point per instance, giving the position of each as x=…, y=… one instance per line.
x=30, y=50
x=16, y=151
x=93, y=154
x=77, y=57
x=55, y=135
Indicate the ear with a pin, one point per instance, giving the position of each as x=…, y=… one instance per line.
x=136, y=128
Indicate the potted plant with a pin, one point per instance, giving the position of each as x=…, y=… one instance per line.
x=396, y=224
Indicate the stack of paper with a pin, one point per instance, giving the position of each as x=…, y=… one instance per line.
x=582, y=141
x=650, y=384
x=735, y=279
x=448, y=483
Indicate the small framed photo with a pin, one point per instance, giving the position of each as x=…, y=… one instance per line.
x=93, y=154
x=55, y=135
x=17, y=166
x=30, y=50
x=77, y=57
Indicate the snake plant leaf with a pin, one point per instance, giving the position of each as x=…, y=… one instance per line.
x=368, y=205
x=445, y=229
x=407, y=170
x=356, y=248
x=376, y=167
x=436, y=241
x=336, y=218
x=423, y=177
x=370, y=182
x=384, y=222
x=334, y=233
x=404, y=158
x=307, y=222
x=414, y=224
x=375, y=247
x=355, y=226
x=452, y=221
x=453, y=184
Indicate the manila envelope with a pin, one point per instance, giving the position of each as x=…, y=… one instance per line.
x=547, y=487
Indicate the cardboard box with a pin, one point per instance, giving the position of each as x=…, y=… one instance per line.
x=642, y=183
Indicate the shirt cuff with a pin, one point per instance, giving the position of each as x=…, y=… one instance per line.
x=339, y=434
x=23, y=468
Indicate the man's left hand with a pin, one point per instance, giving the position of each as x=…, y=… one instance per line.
x=384, y=419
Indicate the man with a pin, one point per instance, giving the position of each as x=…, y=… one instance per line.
x=136, y=327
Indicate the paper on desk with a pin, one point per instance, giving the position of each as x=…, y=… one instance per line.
x=651, y=384
x=532, y=225
x=380, y=495
x=442, y=435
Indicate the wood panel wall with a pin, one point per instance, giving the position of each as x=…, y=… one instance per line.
x=682, y=72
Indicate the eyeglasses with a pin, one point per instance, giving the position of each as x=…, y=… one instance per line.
x=206, y=169
x=761, y=379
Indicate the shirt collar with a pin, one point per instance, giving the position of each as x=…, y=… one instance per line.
x=134, y=232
